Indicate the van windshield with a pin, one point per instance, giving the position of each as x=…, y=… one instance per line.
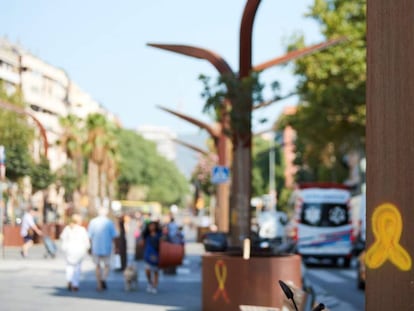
x=324, y=215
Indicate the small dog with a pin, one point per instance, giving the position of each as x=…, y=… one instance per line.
x=130, y=278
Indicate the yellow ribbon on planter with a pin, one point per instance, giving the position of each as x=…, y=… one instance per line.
x=220, y=269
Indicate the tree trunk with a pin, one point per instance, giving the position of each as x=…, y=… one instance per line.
x=93, y=186
x=79, y=166
x=240, y=197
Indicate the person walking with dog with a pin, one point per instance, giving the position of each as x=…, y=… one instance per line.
x=28, y=229
x=151, y=238
x=102, y=233
x=75, y=245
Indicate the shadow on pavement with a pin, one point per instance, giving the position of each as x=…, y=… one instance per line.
x=42, y=282
x=173, y=297
x=175, y=292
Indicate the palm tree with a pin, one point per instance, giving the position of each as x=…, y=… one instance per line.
x=101, y=150
x=72, y=140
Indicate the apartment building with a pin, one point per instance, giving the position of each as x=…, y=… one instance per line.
x=49, y=94
x=9, y=64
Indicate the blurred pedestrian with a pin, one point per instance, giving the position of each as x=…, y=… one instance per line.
x=131, y=236
x=151, y=237
x=75, y=245
x=28, y=229
x=102, y=233
x=172, y=228
x=173, y=234
x=179, y=237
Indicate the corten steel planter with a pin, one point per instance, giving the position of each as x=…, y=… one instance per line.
x=12, y=236
x=231, y=281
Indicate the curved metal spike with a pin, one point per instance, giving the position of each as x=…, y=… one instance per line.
x=211, y=130
x=215, y=59
x=298, y=54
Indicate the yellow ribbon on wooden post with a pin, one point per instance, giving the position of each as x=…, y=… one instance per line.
x=387, y=228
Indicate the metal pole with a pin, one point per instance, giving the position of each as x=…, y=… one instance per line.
x=272, y=175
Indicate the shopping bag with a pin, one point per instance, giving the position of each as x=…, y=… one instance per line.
x=116, y=262
x=170, y=254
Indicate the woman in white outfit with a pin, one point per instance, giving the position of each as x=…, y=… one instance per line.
x=75, y=245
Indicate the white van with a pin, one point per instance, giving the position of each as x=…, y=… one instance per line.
x=322, y=226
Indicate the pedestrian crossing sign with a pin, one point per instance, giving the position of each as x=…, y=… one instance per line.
x=220, y=174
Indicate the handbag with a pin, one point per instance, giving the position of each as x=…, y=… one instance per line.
x=170, y=254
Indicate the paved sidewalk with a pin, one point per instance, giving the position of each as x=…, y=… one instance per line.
x=38, y=283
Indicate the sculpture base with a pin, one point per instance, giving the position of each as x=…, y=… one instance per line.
x=230, y=281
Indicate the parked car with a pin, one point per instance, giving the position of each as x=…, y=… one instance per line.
x=215, y=241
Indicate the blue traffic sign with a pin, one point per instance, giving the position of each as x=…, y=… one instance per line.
x=220, y=174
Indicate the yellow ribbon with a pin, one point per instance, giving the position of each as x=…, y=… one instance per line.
x=220, y=269
x=387, y=229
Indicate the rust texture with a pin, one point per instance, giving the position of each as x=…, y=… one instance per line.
x=240, y=214
x=246, y=32
x=231, y=281
x=216, y=60
x=191, y=146
x=298, y=54
x=210, y=129
x=390, y=135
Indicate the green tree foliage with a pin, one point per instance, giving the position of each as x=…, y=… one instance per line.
x=16, y=136
x=18, y=161
x=169, y=186
x=72, y=141
x=101, y=148
x=41, y=176
x=135, y=152
x=141, y=165
x=100, y=141
x=69, y=179
x=240, y=93
x=261, y=162
x=330, y=120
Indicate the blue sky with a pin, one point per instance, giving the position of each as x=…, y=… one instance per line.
x=102, y=46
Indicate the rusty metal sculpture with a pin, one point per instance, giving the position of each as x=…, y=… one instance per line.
x=241, y=141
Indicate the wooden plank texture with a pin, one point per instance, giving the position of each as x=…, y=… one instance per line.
x=390, y=142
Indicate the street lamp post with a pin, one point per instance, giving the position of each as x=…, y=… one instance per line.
x=272, y=174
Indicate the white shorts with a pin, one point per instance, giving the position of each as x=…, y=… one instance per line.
x=99, y=260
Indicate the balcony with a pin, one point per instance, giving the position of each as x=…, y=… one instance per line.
x=8, y=75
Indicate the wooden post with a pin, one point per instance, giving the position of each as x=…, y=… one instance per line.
x=390, y=155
